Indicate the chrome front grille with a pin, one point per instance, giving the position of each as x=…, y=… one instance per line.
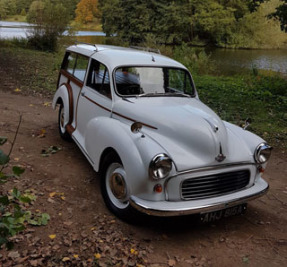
x=214, y=185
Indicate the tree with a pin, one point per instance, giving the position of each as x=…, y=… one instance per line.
x=281, y=15
x=7, y=7
x=86, y=11
x=218, y=22
x=51, y=19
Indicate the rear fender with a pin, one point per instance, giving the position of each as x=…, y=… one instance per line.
x=64, y=95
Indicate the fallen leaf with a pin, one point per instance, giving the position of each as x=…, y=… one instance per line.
x=65, y=259
x=17, y=90
x=133, y=251
x=97, y=255
x=47, y=104
x=14, y=254
x=52, y=194
x=76, y=256
x=171, y=262
x=52, y=236
x=41, y=133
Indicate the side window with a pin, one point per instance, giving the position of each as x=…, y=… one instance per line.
x=69, y=62
x=98, y=78
x=81, y=67
x=76, y=65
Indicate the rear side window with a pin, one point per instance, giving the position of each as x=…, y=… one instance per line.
x=76, y=65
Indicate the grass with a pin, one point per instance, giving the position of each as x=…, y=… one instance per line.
x=31, y=71
x=18, y=18
x=261, y=98
x=257, y=95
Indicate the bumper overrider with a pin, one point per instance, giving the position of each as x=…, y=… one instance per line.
x=175, y=208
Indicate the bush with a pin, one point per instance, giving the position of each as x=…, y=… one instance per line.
x=13, y=213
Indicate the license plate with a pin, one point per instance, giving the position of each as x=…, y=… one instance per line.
x=219, y=214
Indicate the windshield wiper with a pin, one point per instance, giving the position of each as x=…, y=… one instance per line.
x=178, y=94
x=150, y=94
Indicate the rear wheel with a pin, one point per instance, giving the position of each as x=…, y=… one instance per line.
x=115, y=190
x=61, y=119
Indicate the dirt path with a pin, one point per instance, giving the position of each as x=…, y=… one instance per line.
x=88, y=235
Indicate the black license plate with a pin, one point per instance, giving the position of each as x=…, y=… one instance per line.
x=219, y=214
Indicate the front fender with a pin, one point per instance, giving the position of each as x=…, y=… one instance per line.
x=62, y=96
x=135, y=150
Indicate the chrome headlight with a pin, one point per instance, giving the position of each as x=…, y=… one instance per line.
x=160, y=166
x=262, y=153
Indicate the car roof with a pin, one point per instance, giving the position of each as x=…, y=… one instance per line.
x=115, y=56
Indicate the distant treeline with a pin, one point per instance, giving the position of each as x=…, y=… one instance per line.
x=224, y=23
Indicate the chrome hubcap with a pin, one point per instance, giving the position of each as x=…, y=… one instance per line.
x=118, y=186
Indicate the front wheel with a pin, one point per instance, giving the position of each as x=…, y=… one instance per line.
x=115, y=190
x=61, y=119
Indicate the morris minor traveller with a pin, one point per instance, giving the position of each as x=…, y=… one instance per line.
x=137, y=118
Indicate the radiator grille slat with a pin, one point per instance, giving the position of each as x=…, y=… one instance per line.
x=214, y=185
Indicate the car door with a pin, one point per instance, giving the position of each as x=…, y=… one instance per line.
x=95, y=99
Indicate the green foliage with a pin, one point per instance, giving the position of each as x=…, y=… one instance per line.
x=262, y=98
x=281, y=15
x=51, y=19
x=13, y=7
x=194, y=59
x=237, y=23
x=14, y=215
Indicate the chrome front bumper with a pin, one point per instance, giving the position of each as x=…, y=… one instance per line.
x=176, y=208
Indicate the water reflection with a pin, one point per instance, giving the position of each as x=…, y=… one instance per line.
x=231, y=61
x=228, y=61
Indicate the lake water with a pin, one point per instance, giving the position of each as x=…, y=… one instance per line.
x=228, y=61
x=231, y=61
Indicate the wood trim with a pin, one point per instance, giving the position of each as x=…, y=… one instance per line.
x=71, y=103
x=70, y=129
x=72, y=78
x=118, y=114
x=69, y=126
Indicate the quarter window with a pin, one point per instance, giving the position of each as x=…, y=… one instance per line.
x=76, y=65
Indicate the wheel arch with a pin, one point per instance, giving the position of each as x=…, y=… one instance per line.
x=64, y=96
x=106, y=157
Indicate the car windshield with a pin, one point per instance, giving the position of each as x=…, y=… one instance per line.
x=153, y=81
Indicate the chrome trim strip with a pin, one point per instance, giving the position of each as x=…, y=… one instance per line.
x=196, y=210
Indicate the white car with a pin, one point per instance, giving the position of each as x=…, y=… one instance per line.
x=137, y=118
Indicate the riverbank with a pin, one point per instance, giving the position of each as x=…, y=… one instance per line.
x=234, y=98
